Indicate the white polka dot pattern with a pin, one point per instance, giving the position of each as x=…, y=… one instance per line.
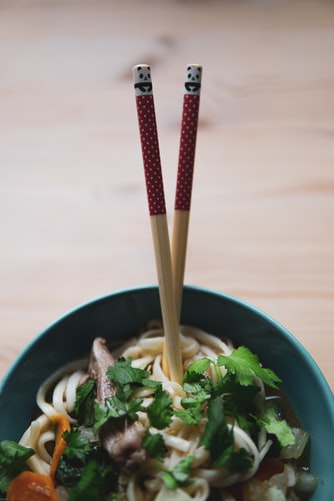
x=187, y=152
x=151, y=154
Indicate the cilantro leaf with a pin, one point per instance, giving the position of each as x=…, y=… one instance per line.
x=198, y=393
x=77, y=444
x=13, y=459
x=219, y=441
x=238, y=400
x=122, y=372
x=114, y=408
x=271, y=421
x=192, y=415
x=196, y=369
x=78, y=454
x=160, y=411
x=127, y=378
x=84, y=403
x=245, y=365
x=179, y=475
x=154, y=445
x=89, y=485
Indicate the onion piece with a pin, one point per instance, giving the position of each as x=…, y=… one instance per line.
x=294, y=451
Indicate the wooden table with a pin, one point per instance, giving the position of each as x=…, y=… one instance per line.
x=74, y=219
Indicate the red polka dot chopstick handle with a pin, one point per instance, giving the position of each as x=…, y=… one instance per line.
x=189, y=125
x=172, y=362
x=149, y=139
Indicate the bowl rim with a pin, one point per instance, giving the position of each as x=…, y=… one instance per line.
x=289, y=337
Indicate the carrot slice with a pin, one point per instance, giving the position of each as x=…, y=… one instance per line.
x=62, y=425
x=31, y=486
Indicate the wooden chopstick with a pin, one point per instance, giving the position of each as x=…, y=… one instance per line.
x=189, y=125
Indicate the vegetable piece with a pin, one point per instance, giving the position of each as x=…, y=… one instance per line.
x=154, y=445
x=114, y=408
x=160, y=411
x=179, y=475
x=245, y=365
x=32, y=486
x=84, y=403
x=79, y=452
x=77, y=445
x=89, y=485
x=219, y=441
x=294, y=451
x=63, y=425
x=271, y=421
x=13, y=459
x=126, y=378
x=306, y=482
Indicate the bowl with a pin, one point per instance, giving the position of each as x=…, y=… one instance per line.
x=121, y=314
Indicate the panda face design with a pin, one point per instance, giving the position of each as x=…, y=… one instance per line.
x=193, y=79
x=142, y=79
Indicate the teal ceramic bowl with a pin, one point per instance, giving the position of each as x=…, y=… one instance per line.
x=120, y=315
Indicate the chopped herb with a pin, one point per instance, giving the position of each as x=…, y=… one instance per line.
x=179, y=475
x=74, y=463
x=77, y=444
x=84, y=403
x=245, y=365
x=154, y=445
x=122, y=372
x=114, y=408
x=192, y=415
x=238, y=400
x=218, y=440
x=160, y=411
x=270, y=419
x=90, y=484
x=196, y=369
x=13, y=459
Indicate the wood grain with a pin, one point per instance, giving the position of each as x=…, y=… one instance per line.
x=73, y=212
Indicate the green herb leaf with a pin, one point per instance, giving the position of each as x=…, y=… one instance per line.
x=89, y=485
x=271, y=421
x=192, y=415
x=84, y=403
x=114, y=408
x=154, y=445
x=13, y=459
x=196, y=369
x=79, y=452
x=238, y=400
x=218, y=440
x=245, y=365
x=160, y=411
x=179, y=475
x=77, y=444
x=122, y=373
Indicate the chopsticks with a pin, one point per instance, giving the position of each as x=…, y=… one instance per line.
x=172, y=362
x=170, y=273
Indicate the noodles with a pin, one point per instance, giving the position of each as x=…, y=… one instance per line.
x=181, y=440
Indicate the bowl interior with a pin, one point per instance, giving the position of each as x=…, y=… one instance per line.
x=120, y=315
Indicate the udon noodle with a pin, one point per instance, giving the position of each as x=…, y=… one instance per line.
x=57, y=395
